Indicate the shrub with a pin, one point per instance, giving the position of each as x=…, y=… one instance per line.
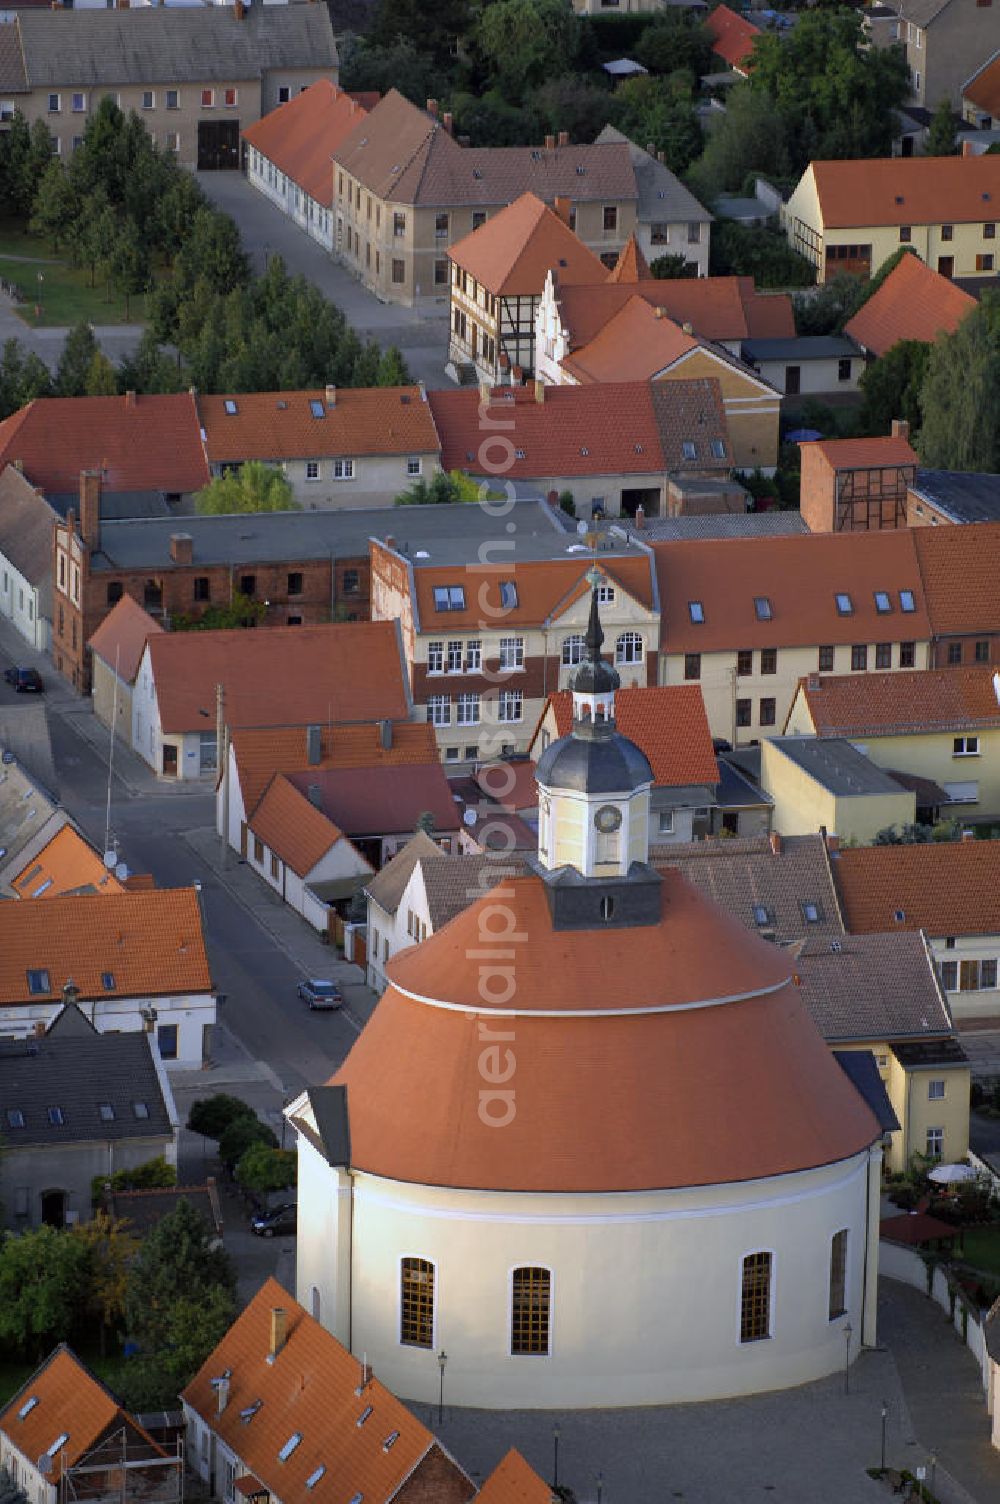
x=211, y=1116
x=241, y=1134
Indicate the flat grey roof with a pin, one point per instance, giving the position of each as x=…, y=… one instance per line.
x=837, y=765
x=773, y=524
x=967, y=498
x=803, y=347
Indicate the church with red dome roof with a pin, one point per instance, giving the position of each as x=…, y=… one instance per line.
x=590, y=1148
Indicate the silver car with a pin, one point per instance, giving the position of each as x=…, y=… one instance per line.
x=320, y=994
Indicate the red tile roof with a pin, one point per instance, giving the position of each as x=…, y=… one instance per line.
x=378, y=801
x=261, y=752
x=282, y=425
x=146, y=443
x=636, y=344
x=301, y=136
x=514, y=249
x=150, y=942
x=544, y=590
x=281, y=676
x=669, y=724
x=292, y=827
x=927, y=700
x=914, y=302
x=733, y=36
x=983, y=88
x=637, y=1085
x=67, y=864
x=720, y=308
x=906, y=191
x=800, y=576
x=121, y=637
x=316, y=1390
x=943, y=887
x=631, y=265
x=512, y=1481
x=865, y=454
x=960, y=567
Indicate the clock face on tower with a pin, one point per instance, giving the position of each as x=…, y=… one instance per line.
x=608, y=818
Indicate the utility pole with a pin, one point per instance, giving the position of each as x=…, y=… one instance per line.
x=222, y=769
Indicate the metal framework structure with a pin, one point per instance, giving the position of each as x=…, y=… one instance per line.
x=869, y=499
x=125, y=1469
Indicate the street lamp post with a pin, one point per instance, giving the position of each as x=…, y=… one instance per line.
x=41, y=279
x=555, y=1456
x=442, y=1360
x=600, y=1487
x=933, y=1469
x=885, y=1417
x=848, y=1333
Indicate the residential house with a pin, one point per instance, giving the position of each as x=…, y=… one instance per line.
x=116, y=650
x=305, y=567
x=63, y=1435
x=497, y=276
x=747, y=618
x=78, y=1104
x=26, y=520
x=857, y=484
x=827, y=784
x=617, y=447
x=405, y=191
x=136, y=961
x=851, y=216
x=348, y=671
x=669, y=219
x=945, y=41
x=194, y=75
x=736, y=524
x=346, y=447
x=938, y=725
x=288, y=153
x=913, y=303
x=981, y=95
x=881, y=994
x=669, y=725
x=725, y=310
x=279, y=1405
x=65, y=863
x=952, y=497
x=810, y=365
x=485, y=644
x=733, y=37
x=948, y=889
x=144, y=1209
x=29, y=819
x=958, y=566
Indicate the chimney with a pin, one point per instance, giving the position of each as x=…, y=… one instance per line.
x=90, y=507
x=182, y=548
x=331, y=396
x=432, y=108
x=422, y=385
x=517, y=376
x=688, y=327
x=657, y=312
x=314, y=745
x=550, y=143
x=239, y=10
x=775, y=840
x=561, y=206
x=832, y=841
x=447, y=122
x=279, y=1329
x=39, y=1028
x=539, y=391
x=315, y=795
x=640, y=516
x=390, y=542
x=661, y=157
x=385, y=735
x=222, y=1394
x=71, y=521
x=968, y=834
x=130, y=399
x=967, y=147
x=900, y=428
x=564, y=138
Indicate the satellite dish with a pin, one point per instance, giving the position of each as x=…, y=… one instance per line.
x=111, y=860
x=470, y=817
x=121, y=871
x=581, y=527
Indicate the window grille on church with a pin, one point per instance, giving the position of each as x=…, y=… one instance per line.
x=755, y=1305
x=416, y=1324
x=529, y=1321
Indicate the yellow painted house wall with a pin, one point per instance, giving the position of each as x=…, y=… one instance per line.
x=802, y=805
x=975, y=1006
x=907, y=1091
x=752, y=408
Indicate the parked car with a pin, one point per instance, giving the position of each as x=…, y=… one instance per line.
x=320, y=993
x=25, y=680
x=275, y=1221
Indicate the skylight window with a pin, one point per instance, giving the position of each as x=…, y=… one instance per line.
x=107, y=1112
x=508, y=594
x=108, y=981
x=811, y=912
x=883, y=603
x=363, y=1416
x=38, y=981
x=316, y=408
x=141, y=1110
x=56, y=1117
x=42, y=888
x=231, y=407
x=906, y=601
x=696, y=611
x=449, y=598
x=315, y=1475
x=15, y=1117
x=845, y=606
x=718, y=449
x=761, y=915
x=27, y=1407
x=58, y=1444
x=762, y=607
x=290, y=1445
x=390, y=1441
x=900, y=916
x=247, y=1415
x=689, y=449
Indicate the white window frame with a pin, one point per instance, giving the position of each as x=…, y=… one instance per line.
x=435, y=657
x=839, y=1315
x=312, y=470
x=454, y=656
x=468, y=701
x=965, y=746
x=55, y=109
x=78, y=109
x=207, y=99
x=439, y=710
x=149, y=94
x=573, y=651
x=625, y=650
x=938, y=1135
x=473, y=656
x=511, y=653
x=665, y=822
x=933, y=1093
x=510, y=701
x=414, y=465
x=176, y=93
x=343, y=470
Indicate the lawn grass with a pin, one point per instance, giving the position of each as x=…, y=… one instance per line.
x=981, y=1248
x=65, y=296
x=16, y=240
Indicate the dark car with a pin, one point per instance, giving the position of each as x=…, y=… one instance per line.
x=275, y=1221
x=320, y=993
x=25, y=680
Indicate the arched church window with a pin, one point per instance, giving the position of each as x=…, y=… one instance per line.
x=531, y=1299
x=838, y=1273
x=755, y=1303
x=317, y=1304
x=416, y=1320
x=628, y=648
x=574, y=649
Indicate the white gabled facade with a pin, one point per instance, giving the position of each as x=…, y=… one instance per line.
x=308, y=213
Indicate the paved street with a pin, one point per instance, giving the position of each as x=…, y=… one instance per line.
x=116, y=340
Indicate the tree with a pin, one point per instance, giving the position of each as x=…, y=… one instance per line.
x=942, y=140
x=392, y=369
x=426, y=822
x=756, y=251
x=254, y=487
x=44, y=1286
x=653, y=111
x=891, y=386
x=960, y=397
x=56, y=206
x=102, y=380
x=575, y=105
x=673, y=266
x=826, y=309
x=211, y=1116
x=110, y=1250
x=177, y=1262
x=675, y=40
x=36, y=163
x=241, y=1135
x=22, y=377
x=440, y=490
x=242, y=612
x=129, y=263
x=438, y=28
x=263, y=1169
x=79, y=349
x=525, y=42
x=367, y=64
x=750, y=139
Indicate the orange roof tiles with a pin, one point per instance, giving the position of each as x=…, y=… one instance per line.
x=301, y=136
x=282, y=425
x=344, y=671
x=636, y=1111
x=144, y=443
x=631, y=265
x=667, y=722
x=150, y=942
x=121, y=637
x=960, y=567
x=512, y=1481
x=635, y=344
x=513, y=250
x=943, y=887
x=544, y=590
x=66, y=865
x=983, y=88
x=313, y=1389
x=733, y=36
x=261, y=752
x=799, y=576
x=292, y=827
x=719, y=308
x=914, y=302
x=865, y=454
x=927, y=700
x=906, y=191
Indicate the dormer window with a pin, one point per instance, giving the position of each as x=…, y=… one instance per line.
x=15, y=1117
x=316, y=408
x=883, y=602
x=106, y=1111
x=906, y=601
x=108, y=981
x=508, y=595
x=689, y=449
x=27, y=1407
x=845, y=606
x=390, y=1441
x=762, y=607
x=696, y=611
x=38, y=981
x=449, y=598
x=811, y=912
x=762, y=916
x=55, y=1117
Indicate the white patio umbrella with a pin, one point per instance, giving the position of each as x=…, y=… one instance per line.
x=951, y=1174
